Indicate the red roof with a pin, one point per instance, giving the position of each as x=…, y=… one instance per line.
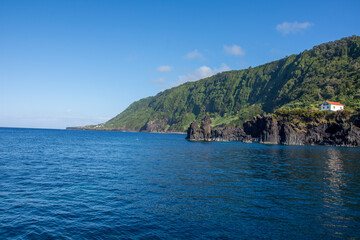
x=334, y=103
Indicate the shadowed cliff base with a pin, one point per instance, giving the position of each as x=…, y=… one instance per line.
x=292, y=127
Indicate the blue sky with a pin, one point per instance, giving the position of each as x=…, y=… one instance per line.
x=71, y=62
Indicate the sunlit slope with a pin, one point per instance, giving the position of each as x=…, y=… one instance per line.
x=330, y=71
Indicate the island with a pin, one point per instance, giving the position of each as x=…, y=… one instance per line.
x=276, y=102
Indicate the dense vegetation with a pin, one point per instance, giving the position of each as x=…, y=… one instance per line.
x=330, y=71
x=302, y=117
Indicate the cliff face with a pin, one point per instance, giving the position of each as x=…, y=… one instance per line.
x=155, y=125
x=207, y=133
x=272, y=129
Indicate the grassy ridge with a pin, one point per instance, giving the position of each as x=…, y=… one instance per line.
x=330, y=71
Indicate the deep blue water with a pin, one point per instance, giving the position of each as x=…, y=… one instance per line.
x=57, y=184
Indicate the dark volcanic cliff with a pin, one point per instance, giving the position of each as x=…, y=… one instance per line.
x=290, y=128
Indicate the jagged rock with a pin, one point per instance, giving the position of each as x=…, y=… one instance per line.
x=206, y=128
x=268, y=129
x=289, y=135
x=194, y=132
x=228, y=134
x=221, y=134
x=202, y=133
x=263, y=129
x=158, y=124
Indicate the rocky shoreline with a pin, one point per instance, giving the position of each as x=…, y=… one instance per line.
x=335, y=129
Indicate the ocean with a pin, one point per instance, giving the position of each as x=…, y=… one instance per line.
x=61, y=184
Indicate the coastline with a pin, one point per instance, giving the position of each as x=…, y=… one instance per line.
x=296, y=127
x=118, y=130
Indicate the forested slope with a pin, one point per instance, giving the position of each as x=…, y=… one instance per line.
x=329, y=71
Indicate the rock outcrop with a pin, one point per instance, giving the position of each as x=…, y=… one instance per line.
x=207, y=133
x=156, y=125
x=272, y=129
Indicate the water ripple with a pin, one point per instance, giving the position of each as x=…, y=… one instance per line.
x=109, y=185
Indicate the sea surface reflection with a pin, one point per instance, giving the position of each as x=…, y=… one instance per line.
x=106, y=185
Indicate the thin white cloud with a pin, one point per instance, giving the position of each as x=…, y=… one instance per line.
x=164, y=68
x=292, y=27
x=234, y=50
x=158, y=80
x=194, y=55
x=200, y=73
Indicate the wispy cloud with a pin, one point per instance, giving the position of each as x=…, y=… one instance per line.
x=194, y=55
x=292, y=27
x=158, y=80
x=234, y=50
x=164, y=68
x=199, y=73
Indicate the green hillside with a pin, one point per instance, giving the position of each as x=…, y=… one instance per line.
x=330, y=71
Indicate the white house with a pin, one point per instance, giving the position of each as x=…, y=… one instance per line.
x=331, y=106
